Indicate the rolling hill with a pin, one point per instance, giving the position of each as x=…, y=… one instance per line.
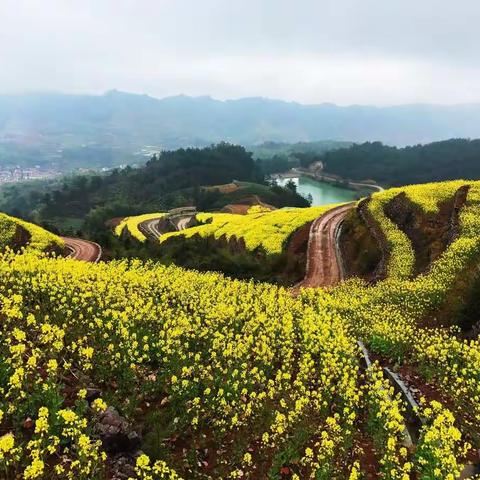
x=140, y=370
x=135, y=122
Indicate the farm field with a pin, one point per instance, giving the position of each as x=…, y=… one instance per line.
x=259, y=228
x=133, y=369
x=261, y=242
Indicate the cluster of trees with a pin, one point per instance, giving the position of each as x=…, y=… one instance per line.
x=389, y=166
x=275, y=157
x=446, y=160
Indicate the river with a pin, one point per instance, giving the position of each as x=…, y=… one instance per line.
x=322, y=193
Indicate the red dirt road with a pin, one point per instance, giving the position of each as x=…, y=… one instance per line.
x=323, y=262
x=83, y=249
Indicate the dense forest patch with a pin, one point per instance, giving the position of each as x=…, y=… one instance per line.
x=393, y=166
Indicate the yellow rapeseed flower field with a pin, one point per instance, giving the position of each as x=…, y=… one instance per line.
x=259, y=228
x=38, y=238
x=236, y=379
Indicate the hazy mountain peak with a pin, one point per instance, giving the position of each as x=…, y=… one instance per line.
x=137, y=120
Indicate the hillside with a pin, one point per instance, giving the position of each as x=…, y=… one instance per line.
x=72, y=127
x=17, y=234
x=168, y=180
x=258, y=228
x=394, y=166
x=182, y=374
x=267, y=150
x=265, y=244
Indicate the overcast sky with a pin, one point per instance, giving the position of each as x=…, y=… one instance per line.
x=380, y=52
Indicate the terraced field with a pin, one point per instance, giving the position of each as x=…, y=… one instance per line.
x=269, y=230
x=260, y=227
x=132, y=225
x=132, y=369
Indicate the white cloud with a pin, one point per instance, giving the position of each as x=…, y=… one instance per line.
x=344, y=51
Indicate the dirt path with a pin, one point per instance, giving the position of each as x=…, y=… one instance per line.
x=373, y=186
x=183, y=222
x=150, y=228
x=83, y=249
x=323, y=258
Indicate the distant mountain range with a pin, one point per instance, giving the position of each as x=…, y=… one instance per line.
x=124, y=120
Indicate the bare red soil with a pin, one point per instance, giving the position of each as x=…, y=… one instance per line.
x=236, y=208
x=113, y=222
x=323, y=262
x=83, y=249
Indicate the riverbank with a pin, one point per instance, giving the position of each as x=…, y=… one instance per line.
x=321, y=193
x=329, y=178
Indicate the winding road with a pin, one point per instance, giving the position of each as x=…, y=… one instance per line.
x=83, y=249
x=183, y=223
x=324, y=266
x=150, y=228
x=297, y=171
x=373, y=186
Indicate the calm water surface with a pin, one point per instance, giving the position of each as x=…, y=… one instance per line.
x=321, y=192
